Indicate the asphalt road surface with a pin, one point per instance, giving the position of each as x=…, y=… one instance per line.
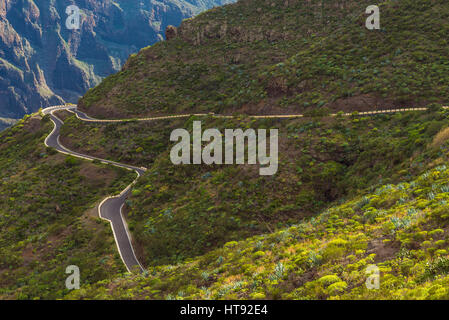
x=111, y=208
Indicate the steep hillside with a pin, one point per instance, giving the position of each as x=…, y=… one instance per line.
x=278, y=56
x=350, y=191
x=401, y=228
x=43, y=63
x=177, y=212
x=391, y=211
x=48, y=219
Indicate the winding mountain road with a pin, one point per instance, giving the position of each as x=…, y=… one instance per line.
x=110, y=208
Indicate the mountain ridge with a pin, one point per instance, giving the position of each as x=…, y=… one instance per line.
x=287, y=57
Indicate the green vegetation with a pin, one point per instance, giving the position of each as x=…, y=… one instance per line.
x=397, y=227
x=137, y=143
x=178, y=212
x=48, y=219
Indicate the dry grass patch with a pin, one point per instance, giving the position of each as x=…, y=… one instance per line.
x=440, y=138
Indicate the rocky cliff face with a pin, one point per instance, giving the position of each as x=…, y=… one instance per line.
x=44, y=63
x=250, y=27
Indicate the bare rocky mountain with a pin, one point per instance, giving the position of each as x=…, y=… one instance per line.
x=42, y=62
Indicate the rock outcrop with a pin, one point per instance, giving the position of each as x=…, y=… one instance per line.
x=171, y=32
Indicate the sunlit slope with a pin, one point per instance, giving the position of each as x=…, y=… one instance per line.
x=399, y=228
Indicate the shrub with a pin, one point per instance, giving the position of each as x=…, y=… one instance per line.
x=329, y=279
x=71, y=161
x=230, y=244
x=337, y=287
x=437, y=267
x=258, y=296
x=51, y=151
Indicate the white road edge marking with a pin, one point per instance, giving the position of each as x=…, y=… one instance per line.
x=124, y=223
